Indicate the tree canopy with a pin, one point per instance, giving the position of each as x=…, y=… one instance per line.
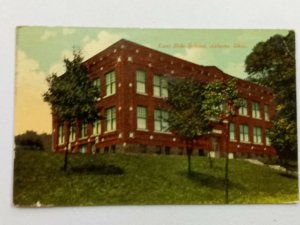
x=272, y=64
x=72, y=95
x=221, y=100
x=186, y=116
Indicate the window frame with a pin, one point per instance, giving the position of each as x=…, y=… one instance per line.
x=266, y=113
x=160, y=86
x=141, y=82
x=243, y=110
x=244, y=134
x=72, y=132
x=257, y=135
x=61, y=134
x=83, y=129
x=141, y=117
x=256, y=110
x=110, y=83
x=232, y=133
x=160, y=117
x=96, y=127
x=267, y=137
x=97, y=83
x=110, y=119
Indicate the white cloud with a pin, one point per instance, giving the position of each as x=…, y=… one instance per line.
x=236, y=69
x=90, y=47
x=104, y=39
x=59, y=67
x=215, y=57
x=199, y=56
x=31, y=113
x=48, y=34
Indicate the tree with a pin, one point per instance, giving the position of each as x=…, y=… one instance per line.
x=29, y=140
x=186, y=117
x=72, y=95
x=221, y=103
x=33, y=141
x=272, y=64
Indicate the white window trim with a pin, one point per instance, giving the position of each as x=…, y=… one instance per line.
x=115, y=84
x=160, y=87
x=113, y=129
x=255, y=136
x=145, y=83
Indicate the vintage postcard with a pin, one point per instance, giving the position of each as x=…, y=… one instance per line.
x=110, y=116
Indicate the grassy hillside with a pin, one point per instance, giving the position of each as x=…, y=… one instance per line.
x=143, y=179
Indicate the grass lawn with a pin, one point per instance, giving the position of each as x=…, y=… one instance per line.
x=110, y=179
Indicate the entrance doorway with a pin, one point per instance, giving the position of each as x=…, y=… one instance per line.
x=215, y=147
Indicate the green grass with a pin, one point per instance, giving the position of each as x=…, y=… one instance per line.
x=110, y=179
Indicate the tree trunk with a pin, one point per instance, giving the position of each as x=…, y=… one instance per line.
x=67, y=148
x=189, y=153
x=66, y=159
x=226, y=165
x=226, y=178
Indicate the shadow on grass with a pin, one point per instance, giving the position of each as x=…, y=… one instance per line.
x=291, y=175
x=102, y=169
x=209, y=181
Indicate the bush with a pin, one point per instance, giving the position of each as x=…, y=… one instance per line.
x=33, y=141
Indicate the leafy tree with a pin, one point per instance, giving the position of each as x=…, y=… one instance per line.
x=283, y=136
x=72, y=95
x=33, y=141
x=46, y=140
x=186, y=117
x=220, y=105
x=272, y=64
x=29, y=140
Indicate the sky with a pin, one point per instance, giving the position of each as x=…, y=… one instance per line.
x=40, y=52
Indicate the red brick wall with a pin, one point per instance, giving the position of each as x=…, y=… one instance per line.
x=125, y=58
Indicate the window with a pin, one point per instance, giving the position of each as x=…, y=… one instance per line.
x=243, y=110
x=140, y=82
x=110, y=119
x=231, y=131
x=268, y=140
x=96, y=83
x=72, y=134
x=255, y=110
x=161, y=123
x=141, y=117
x=244, y=133
x=266, y=112
x=83, y=129
x=97, y=127
x=82, y=149
x=160, y=86
x=257, y=135
x=61, y=135
x=110, y=83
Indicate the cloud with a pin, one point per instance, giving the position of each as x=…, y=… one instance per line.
x=236, y=69
x=48, y=34
x=59, y=67
x=200, y=56
x=103, y=40
x=31, y=113
x=220, y=58
x=90, y=47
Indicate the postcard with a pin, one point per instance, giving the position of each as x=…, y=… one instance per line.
x=115, y=116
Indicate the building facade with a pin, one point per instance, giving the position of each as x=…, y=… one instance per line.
x=133, y=85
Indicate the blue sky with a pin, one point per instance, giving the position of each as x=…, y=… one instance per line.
x=40, y=51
